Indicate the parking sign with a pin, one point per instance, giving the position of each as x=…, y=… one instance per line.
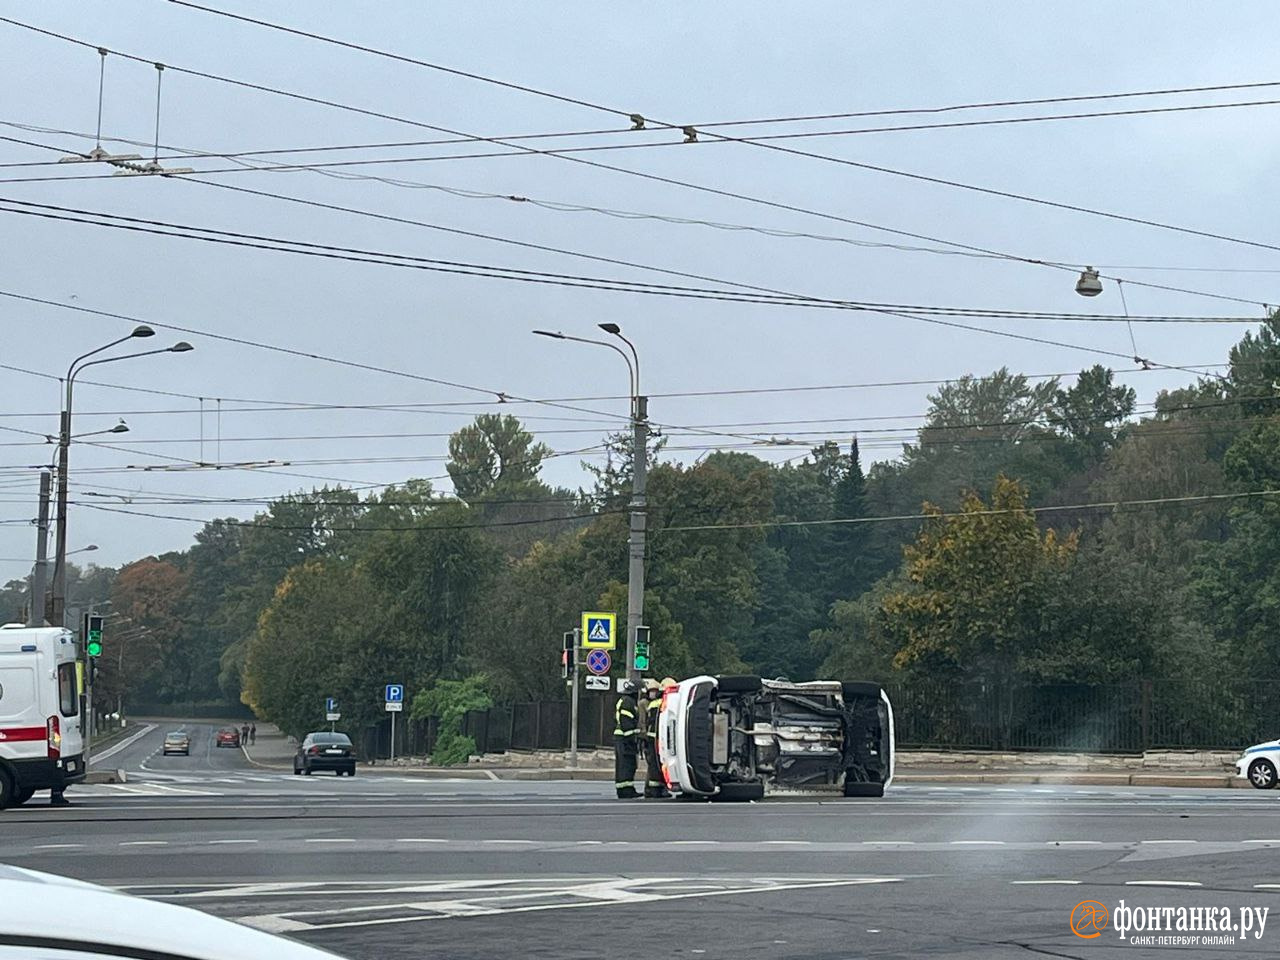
x=395, y=693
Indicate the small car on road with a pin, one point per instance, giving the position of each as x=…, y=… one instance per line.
x=178, y=741
x=734, y=737
x=325, y=751
x=228, y=737
x=1259, y=764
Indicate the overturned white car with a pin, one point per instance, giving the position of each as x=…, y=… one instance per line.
x=730, y=738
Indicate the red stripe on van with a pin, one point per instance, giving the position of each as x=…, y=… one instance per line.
x=23, y=733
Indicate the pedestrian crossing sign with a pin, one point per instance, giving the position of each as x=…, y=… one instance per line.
x=599, y=631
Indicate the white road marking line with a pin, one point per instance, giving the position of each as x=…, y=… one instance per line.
x=454, y=908
x=1044, y=883
x=116, y=748
x=588, y=843
x=1260, y=841
x=788, y=842
x=1162, y=883
x=58, y=846
x=143, y=843
x=974, y=843
x=1168, y=841
x=1266, y=886
x=231, y=841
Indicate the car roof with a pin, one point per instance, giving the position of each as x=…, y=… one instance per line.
x=130, y=926
x=176, y=733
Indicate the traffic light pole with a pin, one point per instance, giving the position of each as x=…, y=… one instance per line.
x=573, y=702
x=636, y=534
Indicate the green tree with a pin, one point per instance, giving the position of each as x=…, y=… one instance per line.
x=973, y=589
x=450, y=701
x=1091, y=411
x=493, y=452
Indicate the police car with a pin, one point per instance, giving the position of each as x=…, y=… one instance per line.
x=1259, y=764
x=736, y=738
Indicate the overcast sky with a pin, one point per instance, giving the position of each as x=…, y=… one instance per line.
x=1212, y=170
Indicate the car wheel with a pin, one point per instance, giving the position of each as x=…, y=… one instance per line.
x=1262, y=774
x=6, y=790
x=856, y=788
x=858, y=689
x=739, y=792
x=734, y=684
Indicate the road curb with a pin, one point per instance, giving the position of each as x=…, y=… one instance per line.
x=1083, y=778
x=105, y=776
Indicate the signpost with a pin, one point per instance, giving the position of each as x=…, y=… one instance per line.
x=597, y=683
x=331, y=711
x=573, y=641
x=599, y=630
x=394, y=704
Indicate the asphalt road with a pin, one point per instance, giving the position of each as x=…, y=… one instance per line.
x=392, y=865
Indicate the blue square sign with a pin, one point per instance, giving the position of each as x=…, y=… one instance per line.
x=395, y=693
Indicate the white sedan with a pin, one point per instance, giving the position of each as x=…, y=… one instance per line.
x=730, y=738
x=1259, y=763
x=42, y=915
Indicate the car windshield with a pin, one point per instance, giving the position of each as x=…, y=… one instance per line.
x=762, y=480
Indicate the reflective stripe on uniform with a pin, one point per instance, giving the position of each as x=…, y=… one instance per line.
x=619, y=732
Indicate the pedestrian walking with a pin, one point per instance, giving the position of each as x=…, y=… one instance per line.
x=253, y=733
x=244, y=733
x=624, y=743
x=654, y=786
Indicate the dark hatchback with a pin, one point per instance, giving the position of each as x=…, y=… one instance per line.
x=325, y=751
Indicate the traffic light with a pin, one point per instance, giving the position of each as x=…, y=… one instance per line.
x=641, y=661
x=566, y=655
x=93, y=636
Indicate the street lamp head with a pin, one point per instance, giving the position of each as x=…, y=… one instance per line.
x=120, y=427
x=181, y=347
x=142, y=330
x=550, y=333
x=1088, y=285
x=609, y=327
x=90, y=548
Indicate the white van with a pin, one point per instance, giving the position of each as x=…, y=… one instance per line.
x=41, y=738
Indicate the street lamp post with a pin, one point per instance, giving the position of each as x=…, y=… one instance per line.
x=58, y=606
x=636, y=533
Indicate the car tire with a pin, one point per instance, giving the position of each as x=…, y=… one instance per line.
x=1262, y=774
x=22, y=796
x=6, y=790
x=738, y=684
x=857, y=788
x=858, y=689
x=739, y=792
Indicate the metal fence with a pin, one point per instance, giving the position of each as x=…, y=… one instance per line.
x=1095, y=718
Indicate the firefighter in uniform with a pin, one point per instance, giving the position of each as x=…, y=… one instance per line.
x=624, y=743
x=654, y=787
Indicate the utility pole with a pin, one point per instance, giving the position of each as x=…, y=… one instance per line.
x=39, y=576
x=58, y=601
x=636, y=534
x=573, y=701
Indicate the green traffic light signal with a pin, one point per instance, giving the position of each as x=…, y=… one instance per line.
x=93, y=637
x=642, y=662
